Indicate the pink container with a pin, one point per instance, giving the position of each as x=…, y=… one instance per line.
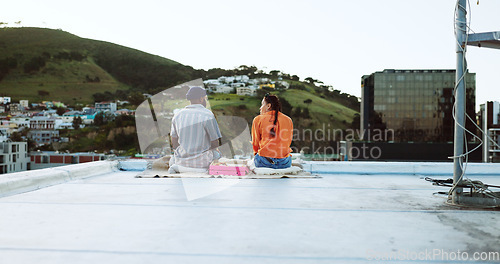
x=228, y=170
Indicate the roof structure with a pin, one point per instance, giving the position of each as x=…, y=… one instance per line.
x=355, y=212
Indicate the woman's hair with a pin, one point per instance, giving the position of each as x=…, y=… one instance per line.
x=276, y=107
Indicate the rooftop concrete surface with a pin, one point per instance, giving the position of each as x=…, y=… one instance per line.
x=342, y=217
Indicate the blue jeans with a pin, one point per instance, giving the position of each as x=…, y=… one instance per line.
x=275, y=164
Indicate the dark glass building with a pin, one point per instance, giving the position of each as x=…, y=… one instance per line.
x=414, y=105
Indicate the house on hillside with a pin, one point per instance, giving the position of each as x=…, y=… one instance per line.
x=22, y=121
x=88, y=110
x=5, y=100
x=24, y=103
x=282, y=84
x=242, y=78
x=267, y=85
x=248, y=91
x=43, y=129
x=224, y=89
x=44, y=137
x=42, y=123
x=237, y=84
x=105, y=106
x=69, y=116
x=211, y=84
x=7, y=129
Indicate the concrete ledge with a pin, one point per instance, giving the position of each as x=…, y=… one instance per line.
x=26, y=181
x=370, y=168
x=133, y=165
x=399, y=168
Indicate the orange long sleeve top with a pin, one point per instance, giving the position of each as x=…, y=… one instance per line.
x=266, y=145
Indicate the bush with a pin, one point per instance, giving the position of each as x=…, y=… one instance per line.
x=34, y=65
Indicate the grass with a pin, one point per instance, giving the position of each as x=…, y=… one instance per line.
x=64, y=79
x=322, y=106
x=322, y=111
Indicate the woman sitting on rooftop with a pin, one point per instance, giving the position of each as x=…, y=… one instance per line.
x=272, y=133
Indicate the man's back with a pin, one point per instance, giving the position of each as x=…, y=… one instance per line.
x=195, y=127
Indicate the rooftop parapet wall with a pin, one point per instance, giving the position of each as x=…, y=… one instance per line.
x=400, y=168
x=370, y=168
x=26, y=181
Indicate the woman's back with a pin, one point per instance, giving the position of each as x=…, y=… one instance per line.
x=264, y=142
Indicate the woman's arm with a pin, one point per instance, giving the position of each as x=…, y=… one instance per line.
x=255, y=135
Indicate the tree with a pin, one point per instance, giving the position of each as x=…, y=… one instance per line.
x=274, y=73
x=262, y=92
x=305, y=113
x=310, y=80
x=246, y=70
x=308, y=101
x=16, y=137
x=136, y=98
x=299, y=86
x=286, y=107
x=60, y=111
x=77, y=121
x=356, y=121
x=43, y=93
x=99, y=119
x=297, y=112
x=121, y=95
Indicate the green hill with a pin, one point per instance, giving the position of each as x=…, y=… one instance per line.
x=40, y=64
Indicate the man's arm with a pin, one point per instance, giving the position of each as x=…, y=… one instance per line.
x=175, y=142
x=215, y=144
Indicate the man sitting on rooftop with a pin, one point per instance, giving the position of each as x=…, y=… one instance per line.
x=195, y=133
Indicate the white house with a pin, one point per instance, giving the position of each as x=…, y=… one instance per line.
x=224, y=89
x=211, y=84
x=88, y=110
x=69, y=116
x=262, y=80
x=65, y=126
x=21, y=121
x=13, y=157
x=105, y=106
x=5, y=100
x=224, y=79
x=42, y=123
x=24, y=103
x=242, y=78
x=249, y=91
x=237, y=84
x=284, y=84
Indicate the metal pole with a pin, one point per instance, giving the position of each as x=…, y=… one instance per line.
x=485, y=134
x=460, y=31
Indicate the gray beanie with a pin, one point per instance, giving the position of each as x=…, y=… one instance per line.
x=195, y=92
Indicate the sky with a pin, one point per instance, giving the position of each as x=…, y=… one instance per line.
x=334, y=41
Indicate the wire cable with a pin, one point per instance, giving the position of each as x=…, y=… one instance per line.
x=477, y=186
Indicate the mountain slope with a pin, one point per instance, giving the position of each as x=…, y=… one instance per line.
x=37, y=61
